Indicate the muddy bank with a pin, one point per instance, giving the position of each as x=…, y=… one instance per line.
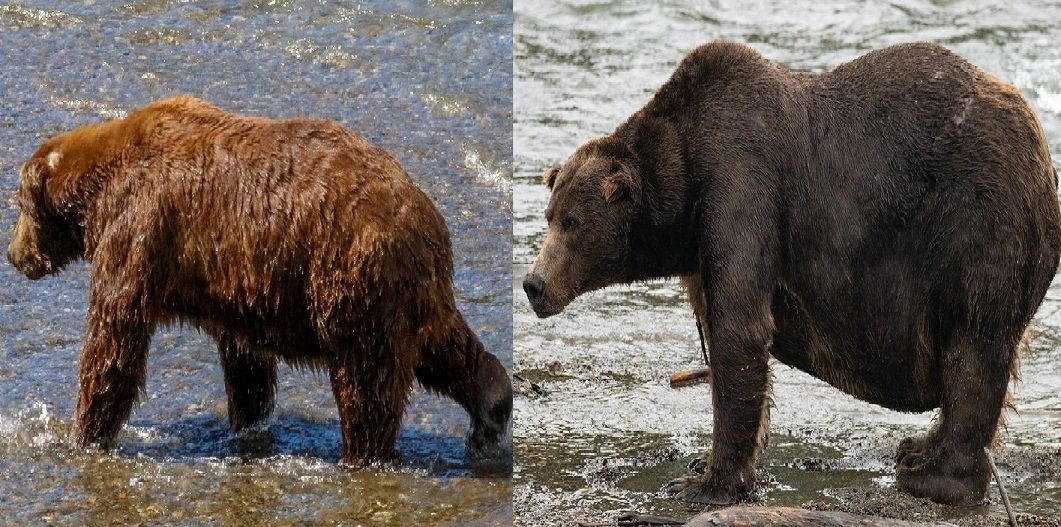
x=800, y=469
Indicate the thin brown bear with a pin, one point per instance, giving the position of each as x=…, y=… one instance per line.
x=291, y=240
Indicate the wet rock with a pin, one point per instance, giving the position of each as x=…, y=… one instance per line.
x=791, y=516
x=743, y=515
x=527, y=388
x=810, y=464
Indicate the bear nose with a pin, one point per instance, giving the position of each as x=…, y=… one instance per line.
x=534, y=286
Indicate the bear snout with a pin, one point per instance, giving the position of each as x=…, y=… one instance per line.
x=27, y=263
x=30, y=267
x=534, y=286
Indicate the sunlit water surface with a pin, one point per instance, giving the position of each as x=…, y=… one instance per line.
x=611, y=431
x=428, y=81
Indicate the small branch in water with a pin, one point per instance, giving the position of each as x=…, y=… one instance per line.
x=699, y=375
x=690, y=377
x=526, y=387
x=1001, y=489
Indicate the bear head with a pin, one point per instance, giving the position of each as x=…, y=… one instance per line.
x=48, y=235
x=595, y=201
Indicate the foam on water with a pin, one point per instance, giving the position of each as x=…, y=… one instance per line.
x=487, y=174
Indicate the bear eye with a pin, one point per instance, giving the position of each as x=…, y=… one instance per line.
x=569, y=223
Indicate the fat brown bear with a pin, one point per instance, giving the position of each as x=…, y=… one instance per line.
x=290, y=240
x=889, y=227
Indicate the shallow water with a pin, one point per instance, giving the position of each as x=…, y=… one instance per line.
x=610, y=431
x=428, y=81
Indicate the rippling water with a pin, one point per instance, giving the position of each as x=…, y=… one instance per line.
x=610, y=431
x=428, y=81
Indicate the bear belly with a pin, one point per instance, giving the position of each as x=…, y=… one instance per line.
x=285, y=333
x=900, y=374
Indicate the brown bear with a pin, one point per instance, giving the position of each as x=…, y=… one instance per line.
x=889, y=227
x=290, y=240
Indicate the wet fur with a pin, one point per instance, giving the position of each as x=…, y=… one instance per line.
x=290, y=240
x=889, y=227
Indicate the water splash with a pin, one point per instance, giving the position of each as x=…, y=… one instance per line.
x=34, y=426
x=492, y=175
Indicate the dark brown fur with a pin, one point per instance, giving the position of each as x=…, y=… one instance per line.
x=889, y=227
x=284, y=239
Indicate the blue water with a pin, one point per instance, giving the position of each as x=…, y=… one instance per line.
x=611, y=432
x=428, y=81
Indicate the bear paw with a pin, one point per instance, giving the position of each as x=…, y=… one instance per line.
x=485, y=442
x=944, y=476
x=489, y=427
x=702, y=489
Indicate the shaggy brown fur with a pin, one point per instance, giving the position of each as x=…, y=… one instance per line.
x=890, y=227
x=284, y=239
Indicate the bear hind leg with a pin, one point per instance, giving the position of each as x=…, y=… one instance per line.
x=250, y=383
x=457, y=366
x=949, y=464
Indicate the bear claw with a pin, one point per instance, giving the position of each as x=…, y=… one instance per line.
x=910, y=445
x=699, y=489
x=699, y=464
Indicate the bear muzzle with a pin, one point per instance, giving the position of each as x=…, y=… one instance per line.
x=33, y=268
x=534, y=287
x=29, y=263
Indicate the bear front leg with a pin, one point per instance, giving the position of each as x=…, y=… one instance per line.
x=457, y=366
x=739, y=271
x=113, y=364
x=741, y=398
x=371, y=400
x=250, y=382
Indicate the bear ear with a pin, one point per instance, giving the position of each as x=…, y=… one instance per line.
x=619, y=185
x=35, y=170
x=31, y=175
x=549, y=178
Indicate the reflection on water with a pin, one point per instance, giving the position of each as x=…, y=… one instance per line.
x=428, y=81
x=610, y=431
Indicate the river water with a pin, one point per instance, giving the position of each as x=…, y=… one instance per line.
x=428, y=81
x=610, y=431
